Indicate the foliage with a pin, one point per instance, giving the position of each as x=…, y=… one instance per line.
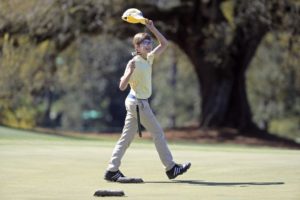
x=23, y=71
x=63, y=58
x=176, y=92
x=273, y=83
x=89, y=74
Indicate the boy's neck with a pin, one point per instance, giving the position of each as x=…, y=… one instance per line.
x=144, y=56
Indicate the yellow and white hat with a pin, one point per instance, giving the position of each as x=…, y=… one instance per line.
x=134, y=16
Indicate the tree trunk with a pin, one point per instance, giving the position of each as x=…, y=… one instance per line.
x=223, y=86
x=173, y=85
x=222, y=79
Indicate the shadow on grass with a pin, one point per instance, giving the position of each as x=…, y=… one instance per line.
x=206, y=183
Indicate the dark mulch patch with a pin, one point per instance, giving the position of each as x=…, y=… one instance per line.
x=228, y=136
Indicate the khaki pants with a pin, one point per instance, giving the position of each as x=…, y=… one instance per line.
x=149, y=121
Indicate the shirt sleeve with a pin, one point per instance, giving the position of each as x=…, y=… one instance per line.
x=150, y=57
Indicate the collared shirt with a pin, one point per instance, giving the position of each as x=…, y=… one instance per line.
x=141, y=79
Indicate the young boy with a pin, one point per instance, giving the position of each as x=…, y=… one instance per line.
x=138, y=76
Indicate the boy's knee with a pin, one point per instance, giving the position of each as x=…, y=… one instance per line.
x=158, y=135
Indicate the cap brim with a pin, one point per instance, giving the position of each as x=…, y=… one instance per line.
x=134, y=19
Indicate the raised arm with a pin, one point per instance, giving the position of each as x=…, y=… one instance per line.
x=163, y=42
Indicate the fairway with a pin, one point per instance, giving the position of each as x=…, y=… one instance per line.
x=39, y=167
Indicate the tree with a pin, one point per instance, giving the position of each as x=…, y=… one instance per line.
x=222, y=50
x=220, y=45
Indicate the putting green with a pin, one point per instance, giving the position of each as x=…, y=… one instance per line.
x=36, y=166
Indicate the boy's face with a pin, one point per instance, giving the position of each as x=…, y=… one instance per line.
x=145, y=46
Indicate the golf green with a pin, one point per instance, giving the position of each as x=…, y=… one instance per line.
x=38, y=166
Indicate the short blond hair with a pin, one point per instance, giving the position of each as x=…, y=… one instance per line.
x=139, y=37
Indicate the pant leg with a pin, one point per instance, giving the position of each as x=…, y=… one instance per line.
x=150, y=122
x=128, y=133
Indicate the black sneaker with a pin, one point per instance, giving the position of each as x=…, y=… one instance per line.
x=178, y=170
x=113, y=176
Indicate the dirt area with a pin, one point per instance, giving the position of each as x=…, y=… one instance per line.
x=197, y=135
x=227, y=136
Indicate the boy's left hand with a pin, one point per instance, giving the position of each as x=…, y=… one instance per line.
x=149, y=24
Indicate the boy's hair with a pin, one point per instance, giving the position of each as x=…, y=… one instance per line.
x=139, y=37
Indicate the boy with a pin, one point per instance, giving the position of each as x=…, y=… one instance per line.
x=138, y=76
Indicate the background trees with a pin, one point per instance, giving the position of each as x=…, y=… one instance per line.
x=70, y=53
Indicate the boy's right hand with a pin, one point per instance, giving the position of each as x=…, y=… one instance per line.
x=131, y=66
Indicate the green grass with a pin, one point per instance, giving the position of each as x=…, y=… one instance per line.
x=36, y=166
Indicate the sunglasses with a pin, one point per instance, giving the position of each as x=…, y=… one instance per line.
x=146, y=42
